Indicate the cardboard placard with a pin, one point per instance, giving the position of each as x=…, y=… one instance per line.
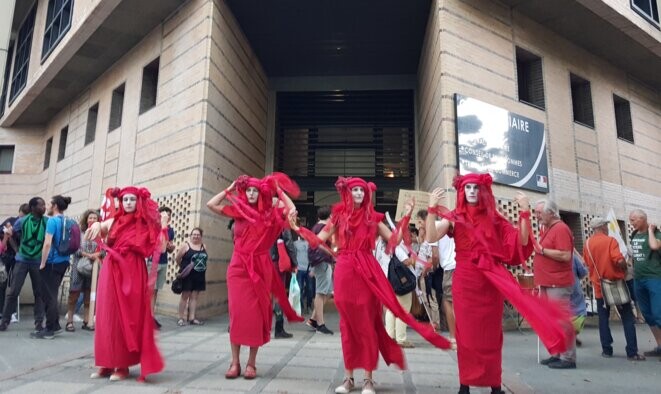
x=421, y=202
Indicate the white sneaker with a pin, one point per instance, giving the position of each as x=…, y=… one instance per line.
x=368, y=387
x=14, y=318
x=346, y=386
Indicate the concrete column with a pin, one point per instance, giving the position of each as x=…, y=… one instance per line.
x=6, y=18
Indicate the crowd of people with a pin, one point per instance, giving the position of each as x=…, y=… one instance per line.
x=458, y=259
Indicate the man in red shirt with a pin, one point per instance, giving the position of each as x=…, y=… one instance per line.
x=553, y=268
x=602, y=255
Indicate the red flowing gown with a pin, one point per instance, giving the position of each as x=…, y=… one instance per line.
x=480, y=284
x=124, y=333
x=361, y=290
x=252, y=278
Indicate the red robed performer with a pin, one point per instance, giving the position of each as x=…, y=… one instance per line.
x=124, y=334
x=484, y=242
x=361, y=289
x=251, y=275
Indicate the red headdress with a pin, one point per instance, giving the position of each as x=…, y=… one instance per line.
x=346, y=215
x=268, y=187
x=485, y=198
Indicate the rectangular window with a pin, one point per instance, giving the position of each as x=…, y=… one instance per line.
x=3, y=97
x=58, y=22
x=581, y=99
x=530, y=78
x=116, y=108
x=6, y=159
x=49, y=148
x=648, y=9
x=64, y=133
x=623, y=118
x=23, y=47
x=149, y=86
x=90, y=131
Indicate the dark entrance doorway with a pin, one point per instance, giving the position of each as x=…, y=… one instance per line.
x=323, y=135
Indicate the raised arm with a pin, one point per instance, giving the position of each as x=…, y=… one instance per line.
x=98, y=229
x=655, y=243
x=216, y=202
x=436, y=231
x=524, y=217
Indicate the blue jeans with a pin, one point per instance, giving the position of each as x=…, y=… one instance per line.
x=307, y=288
x=627, y=322
x=648, y=296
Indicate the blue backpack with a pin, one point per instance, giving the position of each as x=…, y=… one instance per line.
x=70, y=241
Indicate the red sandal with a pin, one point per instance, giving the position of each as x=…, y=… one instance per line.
x=250, y=373
x=233, y=372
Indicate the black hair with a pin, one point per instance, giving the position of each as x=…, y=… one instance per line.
x=230, y=224
x=24, y=208
x=165, y=209
x=61, y=202
x=323, y=213
x=32, y=204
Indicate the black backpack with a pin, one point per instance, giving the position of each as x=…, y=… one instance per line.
x=401, y=278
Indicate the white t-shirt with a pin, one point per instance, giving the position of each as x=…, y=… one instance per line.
x=402, y=254
x=446, y=253
x=381, y=256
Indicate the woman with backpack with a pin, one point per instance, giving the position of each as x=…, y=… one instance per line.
x=192, y=259
x=81, y=271
x=55, y=261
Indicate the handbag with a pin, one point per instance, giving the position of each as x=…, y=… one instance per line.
x=401, y=278
x=177, y=286
x=615, y=292
x=284, y=262
x=84, y=267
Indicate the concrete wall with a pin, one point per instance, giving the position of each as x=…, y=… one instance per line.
x=234, y=139
x=160, y=149
x=473, y=42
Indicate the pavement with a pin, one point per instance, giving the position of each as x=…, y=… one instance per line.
x=198, y=356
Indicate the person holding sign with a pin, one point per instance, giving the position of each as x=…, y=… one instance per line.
x=251, y=276
x=484, y=242
x=360, y=286
x=124, y=321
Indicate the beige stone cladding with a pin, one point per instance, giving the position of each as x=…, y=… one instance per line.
x=235, y=135
x=470, y=49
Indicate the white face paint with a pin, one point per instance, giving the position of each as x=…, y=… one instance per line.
x=358, y=194
x=128, y=202
x=252, y=193
x=472, y=190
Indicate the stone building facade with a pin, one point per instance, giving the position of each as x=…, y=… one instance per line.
x=182, y=96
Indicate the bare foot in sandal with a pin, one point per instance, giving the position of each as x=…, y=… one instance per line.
x=195, y=322
x=69, y=327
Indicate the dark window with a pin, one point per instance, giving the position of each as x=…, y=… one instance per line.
x=90, y=131
x=49, y=148
x=623, y=118
x=6, y=159
x=581, y=99
x=116, y=108
x=23, y=47
x=3, y=98
x=64, y=133
x=649, y=9
x=58, y=22
x=530, y=79
x=149, y=86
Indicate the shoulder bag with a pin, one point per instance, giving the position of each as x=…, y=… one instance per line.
x=615, y=292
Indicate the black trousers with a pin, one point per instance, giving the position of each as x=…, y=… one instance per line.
x=19, y=272
x=51, y=278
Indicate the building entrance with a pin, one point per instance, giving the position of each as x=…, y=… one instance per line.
x=323, y=135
